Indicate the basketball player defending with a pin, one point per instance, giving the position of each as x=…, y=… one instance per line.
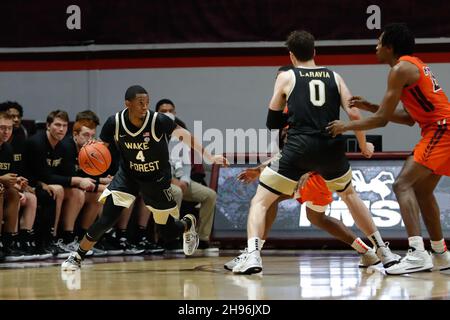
x=314, y=96
x=141, y=138
x=411, y=81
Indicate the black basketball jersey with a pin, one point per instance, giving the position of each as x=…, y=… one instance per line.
x=6, y=159
x=144, y=151
x=314, y=101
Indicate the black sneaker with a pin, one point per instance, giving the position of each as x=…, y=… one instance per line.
x=29, y=246
x=111, y=248
x=2, y=253
x=56, y=248
x=128, y=248
x=175, y=246
x=14, y=253
x=149, y=247
x=206, y=246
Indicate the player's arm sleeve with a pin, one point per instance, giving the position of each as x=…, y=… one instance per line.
x=276, y=119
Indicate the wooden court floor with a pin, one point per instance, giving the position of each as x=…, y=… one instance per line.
x=287, y=275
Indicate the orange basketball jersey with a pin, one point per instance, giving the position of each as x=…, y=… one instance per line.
x=425, y=100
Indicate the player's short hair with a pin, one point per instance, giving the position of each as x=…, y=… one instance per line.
x=57, y=114
x=5, y=106
x=163, y=101
x=132, y=91
x=5, y=115
x=301, y=44
x=88, y=115
x=83, y=123
x=399, y=37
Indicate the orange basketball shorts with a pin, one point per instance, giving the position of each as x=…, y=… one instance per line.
x=433, y=150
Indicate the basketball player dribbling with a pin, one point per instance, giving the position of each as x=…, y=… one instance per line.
x=141, y=138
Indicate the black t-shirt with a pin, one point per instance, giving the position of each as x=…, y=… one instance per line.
x=18, y=143
x=143, y=151
x=6, y=159
x=43, y=163
x=314, y=101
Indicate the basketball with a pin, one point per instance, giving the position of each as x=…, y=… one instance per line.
x=94, y=159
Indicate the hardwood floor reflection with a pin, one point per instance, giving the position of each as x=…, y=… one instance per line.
x=288, y=275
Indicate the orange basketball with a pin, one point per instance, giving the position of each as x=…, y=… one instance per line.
x=94, y=159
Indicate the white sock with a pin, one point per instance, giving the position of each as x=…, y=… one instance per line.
x=376, y=239
x=439, y=246
x=254, y=244
x=360, y=246
x=416, y=242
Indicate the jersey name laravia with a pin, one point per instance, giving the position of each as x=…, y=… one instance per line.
x=313, y=102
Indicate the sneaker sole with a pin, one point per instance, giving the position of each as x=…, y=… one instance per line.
x=390, y=263
x=155, y=251
x=410, y=271
x=228, y=268
x=250, y=270
x=365, y=267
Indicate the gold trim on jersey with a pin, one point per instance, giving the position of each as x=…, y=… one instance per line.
x=120, y=199
x=135, y=134
x=278, y=182
x=161, y=215
x=340, y=183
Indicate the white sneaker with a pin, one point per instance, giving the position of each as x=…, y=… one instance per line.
x=72, y=263
x=387, y=257
x=190, y=237
x=441, y=261
x=414, y=261
x=251, y=263
x=232, y=263
x=368, y=259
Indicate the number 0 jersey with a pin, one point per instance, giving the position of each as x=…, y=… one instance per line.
x=143, y=151
x=314, y=101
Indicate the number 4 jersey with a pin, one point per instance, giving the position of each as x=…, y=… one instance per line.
x=314, y=101
x=143, y=151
